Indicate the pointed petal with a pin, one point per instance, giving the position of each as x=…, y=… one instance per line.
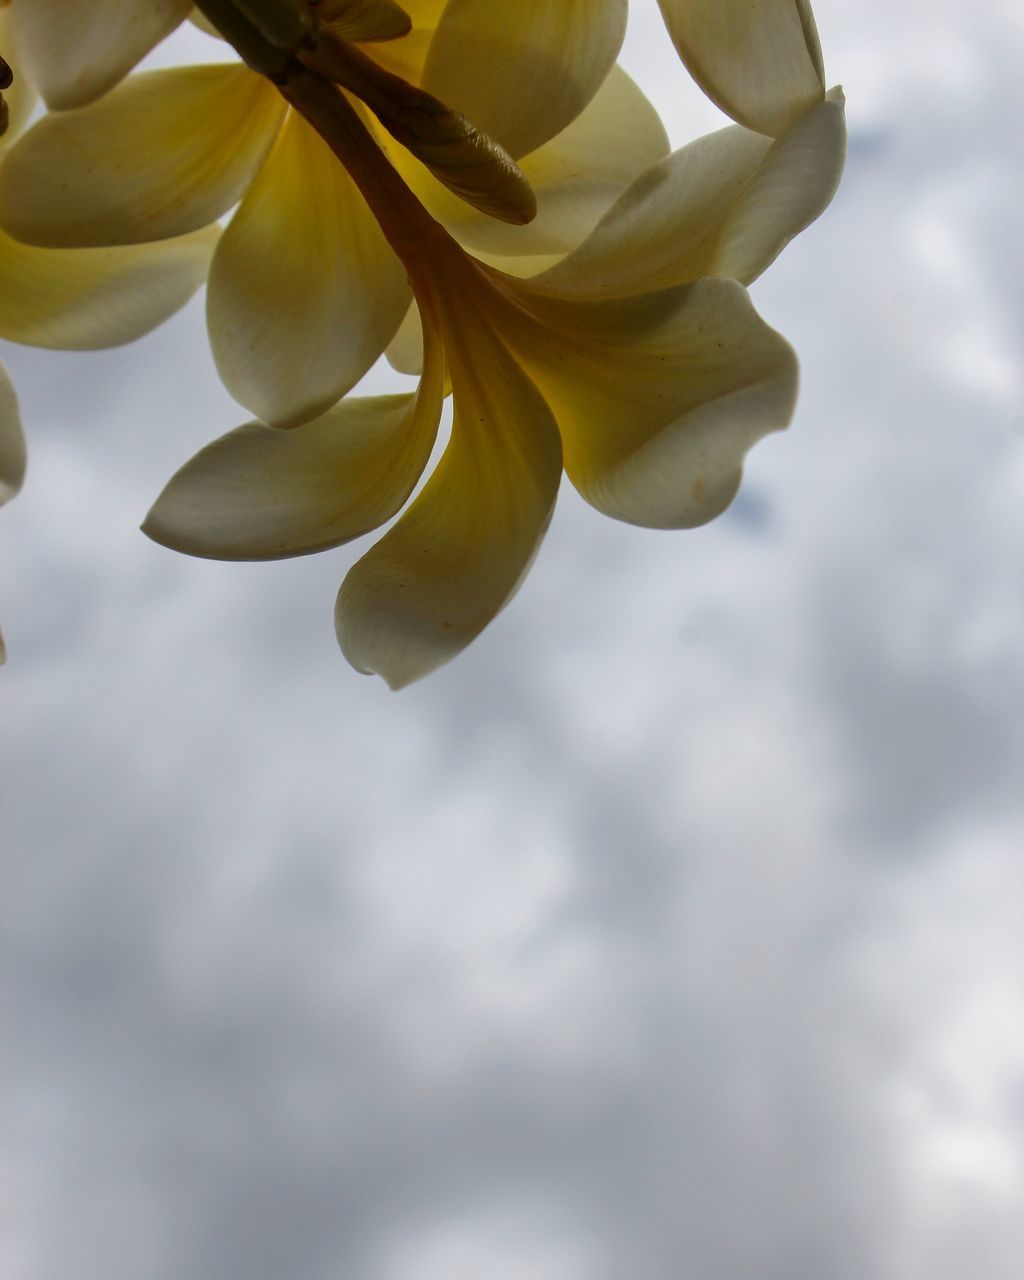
x=523, y=72
x=259, y=493
x=84, y=299
x=163, y=154
x=575, y=176
x=305, y=292
x=75, y=50
x=12, y=441
x=727, y=204
x=760, y=62
x=458, y=554
x=657, y=396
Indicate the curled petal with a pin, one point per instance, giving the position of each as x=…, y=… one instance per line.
x=305, y=292
x=759, y=60
x=726, y=205
x=523, y=72
x=161, y=155
x=456, y=557
x=657, y=396
x=260, y=494
x=12, y=441
x=575, y=176
x=75, y=50
x=84, y=299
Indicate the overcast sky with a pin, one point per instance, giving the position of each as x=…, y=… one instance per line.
x=675, y=931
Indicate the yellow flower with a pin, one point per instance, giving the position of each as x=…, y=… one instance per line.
x=78, y=299
x=636, y=362
x=304, y=290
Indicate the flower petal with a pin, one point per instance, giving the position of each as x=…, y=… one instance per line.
x=458, y=554
x=759, y=60
x=83, y=299
x=523, y=72
x=657, y=396
x=20, y=97
x=259, y=493
x=575, y=176
x=12, y=441
x=405, y=350
x=305, y=292
x=75, y=50
x=365, y=19
x=162, y=154
x=727, y=204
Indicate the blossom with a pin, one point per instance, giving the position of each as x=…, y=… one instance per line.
x=304, y=289
x=637, y=363
x=78, y=299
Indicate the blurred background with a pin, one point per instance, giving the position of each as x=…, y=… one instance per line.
x=672, y=932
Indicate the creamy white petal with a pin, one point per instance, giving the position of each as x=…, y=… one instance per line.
x=305, y=292
x=84, y=299
x=523, y=72
x=658, y=396
x=12, y=440
x=759, y=60
x=164, y=153
x=727, y=204
x=575, y=176
x=456, y=557
x=75, y=50
x=259, y=493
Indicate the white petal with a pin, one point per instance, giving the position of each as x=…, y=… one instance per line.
x=83, y=299
x=459, y=553
x=657, y=396
x=12, y=441
x=75, y=50
x=162, y=154
x=259, y=493
x=727, y=205
x=759, y=60
x=305, y=292
x=523, y=72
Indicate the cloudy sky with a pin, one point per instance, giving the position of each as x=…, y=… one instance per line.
x=675, y=930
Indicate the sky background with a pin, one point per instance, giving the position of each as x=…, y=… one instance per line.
x=674, y=931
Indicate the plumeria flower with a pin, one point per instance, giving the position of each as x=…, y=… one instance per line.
x=304, y=290
x=636, y=363
x=78, y=299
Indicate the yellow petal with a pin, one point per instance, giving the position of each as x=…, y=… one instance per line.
x=456, y=557
x=523, y=72
x=21, y=96
x=12, y=441
x=658, y=396
x=575, y=176
x=305, y=292
x=162, y=154
x=759, y=60
x=365, y=19
x=405, y=350
x=259, y=494
x=83, y=299
x=727, y=204
x=75, y=50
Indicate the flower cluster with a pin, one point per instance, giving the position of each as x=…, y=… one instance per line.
x=479, y=190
